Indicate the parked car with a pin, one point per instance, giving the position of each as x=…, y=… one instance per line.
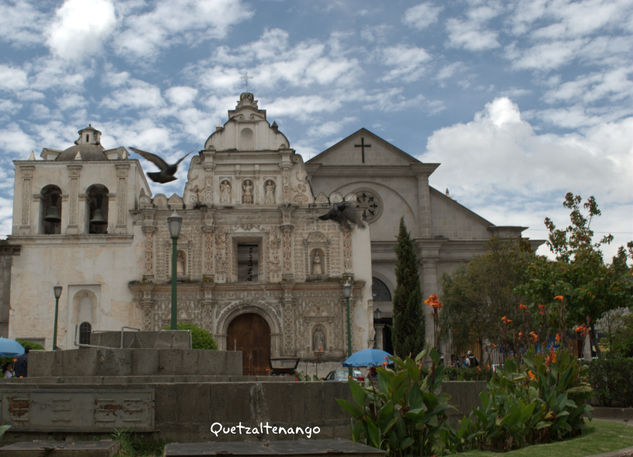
x=341, y=374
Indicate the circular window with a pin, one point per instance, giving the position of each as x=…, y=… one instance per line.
x=369, y=204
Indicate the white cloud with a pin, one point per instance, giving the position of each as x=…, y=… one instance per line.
x=80, y=28
x=605, y=85
x=12, y=78
x=471, y=35
x=181, y=95
x=21, y=23
x=177, y=21
x=407, y=62
x=139, y=95
x=421, y=16
x=499, y=156
x=271, y=61
x=301, y=107
x=15, y=141
x=545, y=56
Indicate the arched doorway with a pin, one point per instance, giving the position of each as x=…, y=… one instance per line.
x=250, y=334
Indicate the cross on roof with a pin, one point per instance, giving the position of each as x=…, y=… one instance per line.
x=245, y=78
x=362, y=145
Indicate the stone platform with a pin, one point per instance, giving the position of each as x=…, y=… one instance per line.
x=133, y=362
x=303, y=448
x=60, y=449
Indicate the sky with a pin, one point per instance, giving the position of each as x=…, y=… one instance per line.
x=521, y=101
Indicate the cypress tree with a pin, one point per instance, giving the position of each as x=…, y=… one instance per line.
x=408, y=318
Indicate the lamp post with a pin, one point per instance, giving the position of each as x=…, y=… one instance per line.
x=347, y=292
x=57, y=291
x=174, y=222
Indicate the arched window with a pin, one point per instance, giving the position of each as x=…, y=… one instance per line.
x=379, y=290
x=85, y=329
x=51, y=210
x=97, y=208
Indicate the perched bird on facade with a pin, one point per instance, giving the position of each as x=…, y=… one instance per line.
x=167, y=171
x=343, y=213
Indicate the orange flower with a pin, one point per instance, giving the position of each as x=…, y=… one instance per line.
x=531, y=375
x=520, y=335
x=551, y=358
x=494, y=346
x=488, y=367
x=559, y=298
x=558, y=338
x=478, y=368
x=433, y=301
x=533, y=336
x=541, y=309
x=505, y=320
x=522, y=306
x=582, y=330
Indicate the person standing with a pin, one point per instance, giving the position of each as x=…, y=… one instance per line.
x=21, y=364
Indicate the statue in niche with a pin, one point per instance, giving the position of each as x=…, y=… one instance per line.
x=318, y=341
x=247, y=191
x=269, y=192
x=225, y=192
x=317, y=267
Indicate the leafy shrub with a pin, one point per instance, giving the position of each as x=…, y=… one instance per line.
x=468, y=374
x=402, y=414
x=611, y=381
x=200, y=338
x=31, y=344
x=543, y=399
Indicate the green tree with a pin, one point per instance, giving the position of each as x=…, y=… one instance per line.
x=408, y=319
x=477, y=295
x=589, y=285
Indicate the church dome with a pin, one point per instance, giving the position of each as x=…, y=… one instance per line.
x=88, y=147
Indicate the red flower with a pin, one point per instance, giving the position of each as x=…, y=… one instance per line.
x=533, y=336
x=505, y=320
x=520, y=335
x=559, y=298
x=541, y=309
x=551, y=358
x=558, y=337
x=531, y=375
x=522, y=307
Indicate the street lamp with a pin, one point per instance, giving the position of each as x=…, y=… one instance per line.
x=174, y=222
x=347, y=292
x=57, y=291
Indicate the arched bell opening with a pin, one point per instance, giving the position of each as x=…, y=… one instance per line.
x=51, y=210
x=97, y=207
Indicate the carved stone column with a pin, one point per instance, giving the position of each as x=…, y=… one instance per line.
x=148, y=252
x=74, y=171
x=122, y=171
x=27, y=189
x=288, y=320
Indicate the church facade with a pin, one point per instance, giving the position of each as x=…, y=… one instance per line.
x=255, y=264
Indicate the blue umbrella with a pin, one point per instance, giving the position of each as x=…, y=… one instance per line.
x=10, y=348
x=367, y=358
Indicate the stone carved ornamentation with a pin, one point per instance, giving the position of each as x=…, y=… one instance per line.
x=317, y=262
x=347, y=250
x=287, y=247
x=269, y=192
x=149, y=251
x=225, y=192
x=247, y=192
x=208, y=253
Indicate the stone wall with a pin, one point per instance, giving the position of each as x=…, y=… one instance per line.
x=183, y=411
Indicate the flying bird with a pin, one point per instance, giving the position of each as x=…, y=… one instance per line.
x=344, y=213
x=167, y=171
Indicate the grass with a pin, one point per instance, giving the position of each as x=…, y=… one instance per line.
x=136, y=445
x=600, y=436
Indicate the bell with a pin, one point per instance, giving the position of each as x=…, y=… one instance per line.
x=52, y=214
x=97, y=218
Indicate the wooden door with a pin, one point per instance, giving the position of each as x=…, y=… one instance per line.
x=250, y=334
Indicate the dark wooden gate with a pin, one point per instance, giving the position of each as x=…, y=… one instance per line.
x=250, y=334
